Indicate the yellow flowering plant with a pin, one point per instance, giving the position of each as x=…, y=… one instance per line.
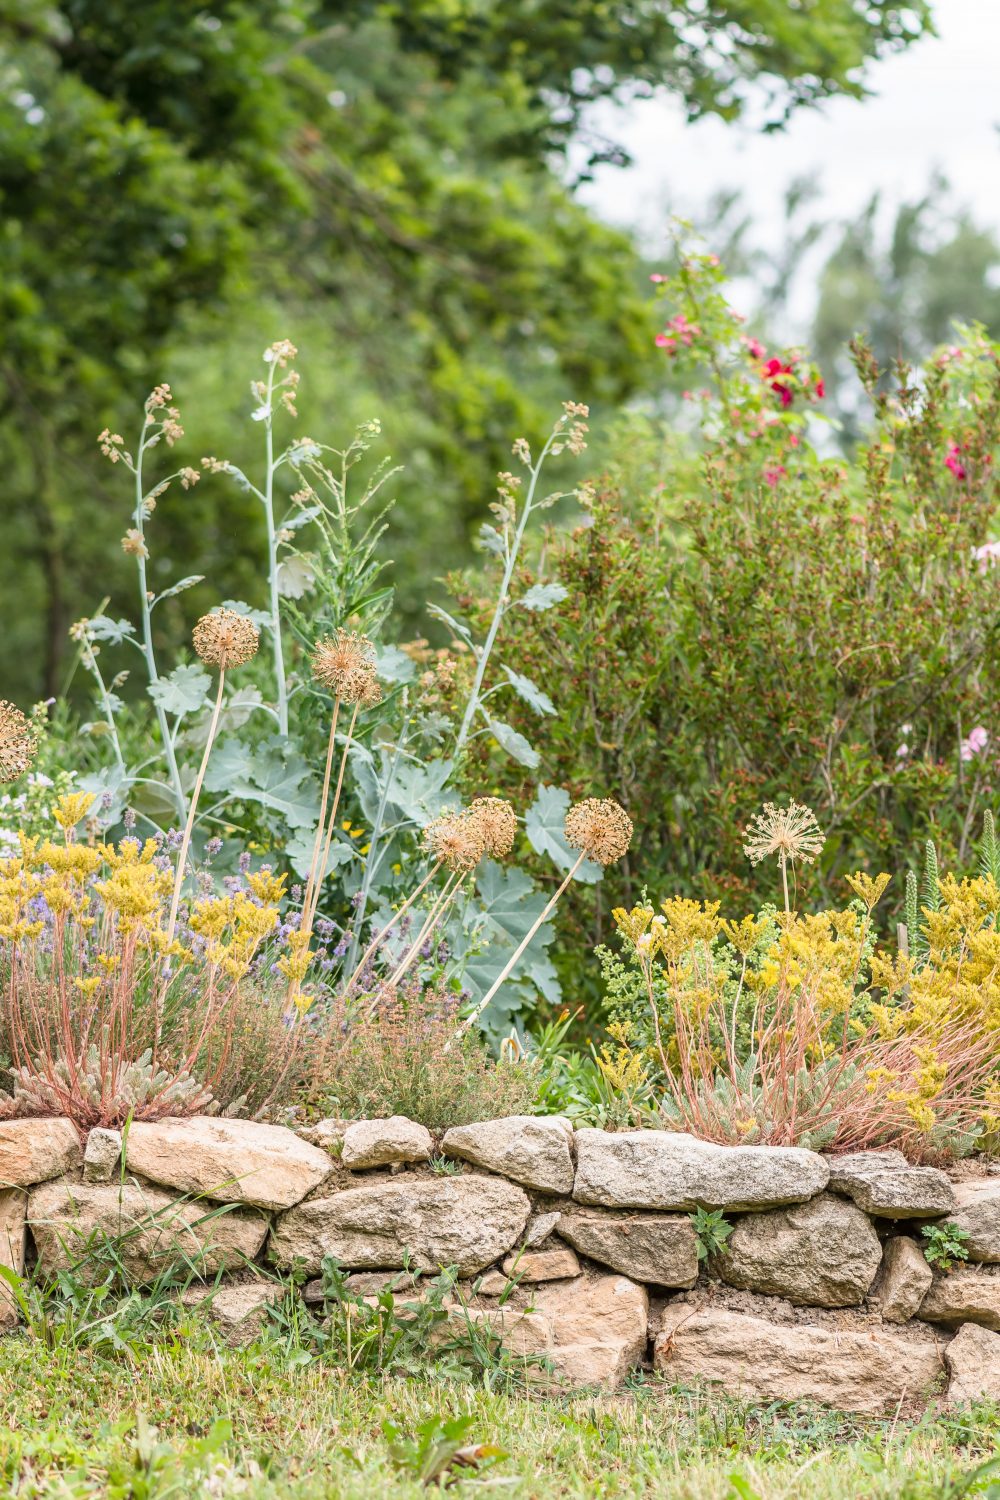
x=106, y=1014
x=791, y=1028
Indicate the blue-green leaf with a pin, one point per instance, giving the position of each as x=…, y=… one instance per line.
x=544, y=826
x=542, y=596
x=183, y=692
x=529, y=692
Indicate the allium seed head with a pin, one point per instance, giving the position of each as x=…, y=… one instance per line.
x=456, y=839
x=226, y=639
x=497, y=823
x=600, y=827
x=791, y=833
x=17, y=742
x=345, y=664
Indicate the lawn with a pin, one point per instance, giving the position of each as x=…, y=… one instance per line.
x=180, y=1416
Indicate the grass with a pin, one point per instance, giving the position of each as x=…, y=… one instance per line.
x=181, y=1417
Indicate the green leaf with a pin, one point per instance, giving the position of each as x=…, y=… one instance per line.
x=515, y=744
x=529, y=692
x=270, y=776
x=510, y=904
x=183, y=692
x=544, y=826
x=178, y=588
x=102, y=628
x=393, y=665
x=260, y=617
x=296, y=576
x=299, y=851
x=455, y=626
x=542, y=596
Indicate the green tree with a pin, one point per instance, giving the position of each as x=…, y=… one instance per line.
x=373, y=180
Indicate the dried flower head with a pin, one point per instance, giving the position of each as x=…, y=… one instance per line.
x=600, y=827
x=497, y=823
x=17, y=742
x=226, y=639
x=791, y=833
x=456, y=839
x=345, y=664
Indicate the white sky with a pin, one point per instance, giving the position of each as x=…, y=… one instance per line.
x=935, y=106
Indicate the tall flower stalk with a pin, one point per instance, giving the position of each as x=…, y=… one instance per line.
x=791, y=833
x=569, y=432
x=223, y=640
x=602, y=831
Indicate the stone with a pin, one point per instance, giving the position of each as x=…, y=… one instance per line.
x=151, y=1231
x=382, y=1143
x=328, y=1134
x=540, y=1226
x=240, y=1310
x=230, y=1161
x=521, y=1331
x=824, y=1253
x=963, y=1296
x=973, y=1360
x=13, y=1236
x=534, y=1151
x=670, y=1170
x=34, y=1150
x=543, y=1265
x=492, y=1284
x=467, y=1222
x=102, y=1154
x=903, y=1280
x=598, y=1325
x=884, y=1184
x=659, y=1248
x=869, y=1369
x=977, y=1211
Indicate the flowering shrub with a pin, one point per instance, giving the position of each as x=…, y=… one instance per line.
x=107, y=1016
x=745, y=612
x=796, y=1029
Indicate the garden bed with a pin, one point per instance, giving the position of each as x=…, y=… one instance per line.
x=776, y=1272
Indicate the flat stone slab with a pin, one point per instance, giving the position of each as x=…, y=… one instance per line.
x=35, y=1150
x=863, y=1370
x=964, y=1296
x=239, y=1311
x=824, y=1253
x=534, y=1151
x=229, y=1161
x=884, y=1184
x=599, y=1328
x=13, y=1238
x=468, y=1222
x=977, y=1211
x=658, y=1248
x=558, y=1264
x=384, y=1143
x=903, y=1281
x=659, y=1169
x=973, y=1359
x=151, y=1231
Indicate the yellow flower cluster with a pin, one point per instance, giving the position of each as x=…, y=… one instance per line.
x=841, y=984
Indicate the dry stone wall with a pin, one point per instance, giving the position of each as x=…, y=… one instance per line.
x=576, y=1247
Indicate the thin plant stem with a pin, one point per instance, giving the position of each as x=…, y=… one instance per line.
x=321, y=820
x=784, y=880
x=475, y=696
x=332, y=820
x=396, y=916
x=438, y=905
x=147, y=632
x=471, y=1020
x=272, y=559
x=376, y=835
x=189, y=825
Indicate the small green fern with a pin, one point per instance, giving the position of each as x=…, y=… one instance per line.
x=930, y=893
x=989, y=850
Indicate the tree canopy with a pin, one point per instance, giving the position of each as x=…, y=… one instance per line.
x=377, y=180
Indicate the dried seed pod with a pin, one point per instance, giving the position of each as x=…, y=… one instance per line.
x=345, y=664
x=225, y=639
x=497, y=824
x=600, y=827
x=456, y=839
x=17, y=742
